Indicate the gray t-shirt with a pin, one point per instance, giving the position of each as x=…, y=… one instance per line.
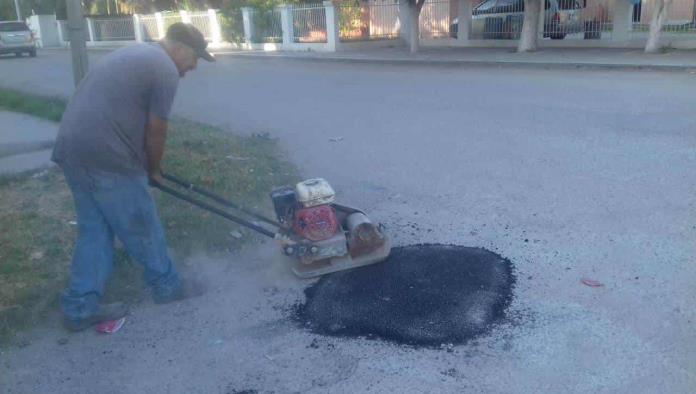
x=104, y=124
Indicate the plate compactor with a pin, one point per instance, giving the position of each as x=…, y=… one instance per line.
x=317, y=234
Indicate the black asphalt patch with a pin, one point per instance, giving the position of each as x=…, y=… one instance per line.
x=422, y=295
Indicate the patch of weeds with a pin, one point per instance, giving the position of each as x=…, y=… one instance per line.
x=50, y=108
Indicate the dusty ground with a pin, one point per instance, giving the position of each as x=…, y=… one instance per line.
x=569, y=174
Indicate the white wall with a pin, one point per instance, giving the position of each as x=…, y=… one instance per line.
x=45, y=30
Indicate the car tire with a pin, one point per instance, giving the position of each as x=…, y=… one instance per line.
x=18, y=54
x=32, y=53
x=557, y=36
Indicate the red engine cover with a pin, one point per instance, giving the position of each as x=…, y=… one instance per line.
x=316, y=223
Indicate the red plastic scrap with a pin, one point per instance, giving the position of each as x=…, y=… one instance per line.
x=111, y=326
x=591, y=282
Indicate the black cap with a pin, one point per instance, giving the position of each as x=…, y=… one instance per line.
x=189, y=35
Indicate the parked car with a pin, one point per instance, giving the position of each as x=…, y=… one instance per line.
x=502, y=19
x=15, y=37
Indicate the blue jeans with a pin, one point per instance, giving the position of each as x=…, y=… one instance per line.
x=108, y=205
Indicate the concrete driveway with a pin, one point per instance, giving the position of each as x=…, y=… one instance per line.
x=570, y=174
x=25, y=142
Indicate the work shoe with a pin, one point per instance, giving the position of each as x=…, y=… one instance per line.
x=189, y=288
x=105, y=312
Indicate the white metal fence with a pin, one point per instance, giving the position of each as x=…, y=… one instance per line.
x=113, y=29
x=680, y=21
x=562, y=19
x=170, y=19
x=496, y=19
x=578, y=19
x=232, y=26
x=369, y=20
x=267, y=26
x=202, y=22
x=384, y=19
x=63, y=34
x=309, y=23
x=144, y=27
x=353, y=20
x=364, y=20
x=435, y=19
x=597, y=20
x=148, y=24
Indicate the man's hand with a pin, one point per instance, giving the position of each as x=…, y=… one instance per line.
x=155, y=178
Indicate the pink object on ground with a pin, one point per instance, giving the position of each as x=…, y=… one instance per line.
x=591, y=282
x=111, y=326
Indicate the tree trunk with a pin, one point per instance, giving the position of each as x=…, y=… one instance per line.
x=416, y=7
x=415, y=29
x=364, y=19
x=658, y=19
x=529, y=38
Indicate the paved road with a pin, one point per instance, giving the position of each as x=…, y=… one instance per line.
x=25, y=142
x=570, y=174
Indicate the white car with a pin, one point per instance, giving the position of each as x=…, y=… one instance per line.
x=15, y=37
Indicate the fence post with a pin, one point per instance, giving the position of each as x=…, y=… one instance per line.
x=185, y=16
x=90, y=29
x=332, y=32
x=160, y=24
x=61, y=39
x=464, y=20
x=542, y=21
x=405, y=21
x=286, y=24
x=248, y=23
x=623, y=20
x=137, y=28
x=215, y=30
x=35, y=27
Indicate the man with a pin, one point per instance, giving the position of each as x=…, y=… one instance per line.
x=110, y=143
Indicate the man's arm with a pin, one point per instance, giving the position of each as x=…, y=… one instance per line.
x=155, y=137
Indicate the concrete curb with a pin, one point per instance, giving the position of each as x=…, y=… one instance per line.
x=17, y=164
x=569, y=65
x=472, y=63
x=16, y=148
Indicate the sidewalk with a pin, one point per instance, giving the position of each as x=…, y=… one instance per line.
x=593, y=58
x=558, y=58
x=25, y=142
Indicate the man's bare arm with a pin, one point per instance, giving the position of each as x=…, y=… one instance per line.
x=155, y=137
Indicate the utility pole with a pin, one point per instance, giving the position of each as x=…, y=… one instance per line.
x=17, y=10
x=78, y=47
